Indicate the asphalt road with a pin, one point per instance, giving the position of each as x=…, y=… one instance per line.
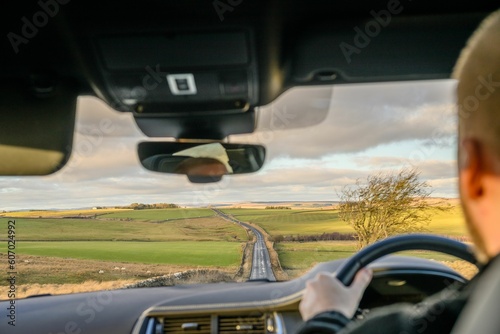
x=261, y=263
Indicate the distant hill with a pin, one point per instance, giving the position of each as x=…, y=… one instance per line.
x=290, y=204
x=297, y=205
x=316, y=204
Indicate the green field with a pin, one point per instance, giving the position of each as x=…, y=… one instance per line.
x=59, y=213
x=207, y=253
x=306, y=222
x=200, y=229
x=292, y=222
x=449, y=222
x=161, y=214
x=298, y=257
x=157, y=237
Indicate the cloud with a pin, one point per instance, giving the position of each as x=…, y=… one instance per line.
x=381, y=162
x=94, y=161
x=97, y=119
x=366, y=116
x=429, y=169
x=444, y=187
x=438, y=170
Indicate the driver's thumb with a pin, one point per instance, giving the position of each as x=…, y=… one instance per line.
x=362, y=279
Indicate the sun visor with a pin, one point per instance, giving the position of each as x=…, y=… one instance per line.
x=373, y=49
x=36, y=128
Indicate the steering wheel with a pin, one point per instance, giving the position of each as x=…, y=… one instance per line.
x=403, y=243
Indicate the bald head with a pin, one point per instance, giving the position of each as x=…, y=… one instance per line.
x=478, y=92
x=478, y=73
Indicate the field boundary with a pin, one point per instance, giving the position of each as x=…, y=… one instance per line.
x=146, y=220
x=245, y=267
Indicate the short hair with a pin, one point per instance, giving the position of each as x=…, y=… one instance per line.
x=478, y=91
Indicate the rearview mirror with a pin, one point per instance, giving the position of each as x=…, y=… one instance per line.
x=202, y=163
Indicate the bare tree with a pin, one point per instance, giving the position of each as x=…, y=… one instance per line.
x=386, y=205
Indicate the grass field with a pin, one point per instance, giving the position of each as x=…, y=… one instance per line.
x=297, y=257
x=200, y=229
x=209, y=253
x=59, y=213
x=179, y=244
x=292, y=222
x=161, y=214
x=133, y=257
x=303, y=222
x=449, y=222
x=145, y=215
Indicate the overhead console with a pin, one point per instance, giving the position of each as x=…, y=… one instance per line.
x=166, y=78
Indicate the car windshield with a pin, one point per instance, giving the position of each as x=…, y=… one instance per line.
x=103, y=221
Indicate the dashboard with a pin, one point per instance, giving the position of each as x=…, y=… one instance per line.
x=259, y=307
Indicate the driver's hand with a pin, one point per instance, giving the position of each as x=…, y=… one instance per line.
x=326, y=293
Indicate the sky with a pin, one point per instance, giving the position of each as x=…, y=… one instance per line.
x=318, y=139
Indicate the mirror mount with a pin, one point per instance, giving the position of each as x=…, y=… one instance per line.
x=204, y=179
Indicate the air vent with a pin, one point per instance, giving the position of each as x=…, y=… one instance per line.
x=187, y=325
x=252, y=324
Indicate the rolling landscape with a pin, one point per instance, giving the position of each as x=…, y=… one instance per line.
x=108, y=247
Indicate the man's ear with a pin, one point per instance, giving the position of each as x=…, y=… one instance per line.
x=472, y=169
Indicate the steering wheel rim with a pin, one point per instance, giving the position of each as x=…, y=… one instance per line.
x=391, y=245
